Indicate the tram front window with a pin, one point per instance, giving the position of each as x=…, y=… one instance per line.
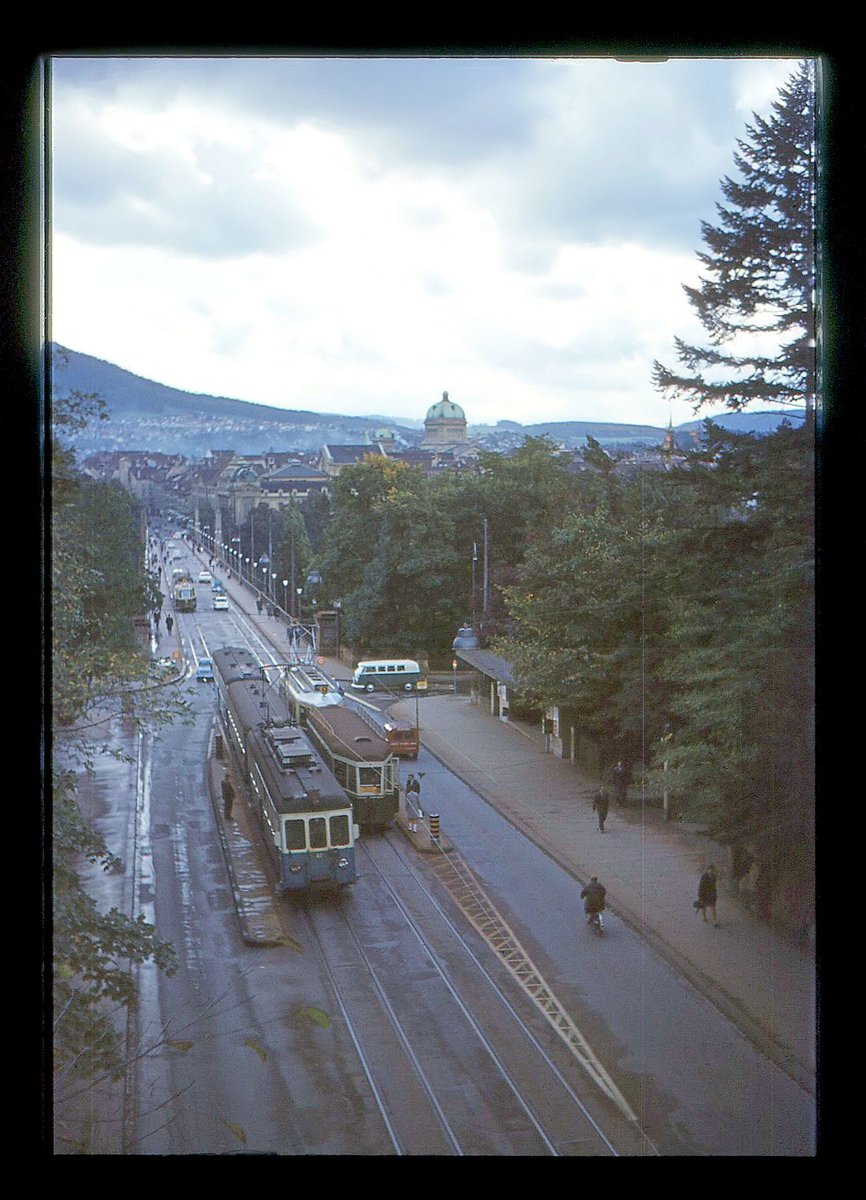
x=368, y=779
x=340, y=831
x=318, y=833
x=296, y=835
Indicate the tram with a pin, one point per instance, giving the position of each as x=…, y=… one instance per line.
x=183, y=593
x=306, y=816
x=362, y=761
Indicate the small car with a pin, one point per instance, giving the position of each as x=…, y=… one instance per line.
x=204, y=671
x=217, y=586
x=220, y=600
x=204, y=577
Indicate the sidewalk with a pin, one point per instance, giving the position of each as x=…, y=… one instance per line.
x=650, y=867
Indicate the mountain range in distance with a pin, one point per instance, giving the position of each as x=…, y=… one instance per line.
x=145, y=415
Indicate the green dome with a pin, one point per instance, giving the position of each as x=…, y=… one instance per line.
x=445, y=409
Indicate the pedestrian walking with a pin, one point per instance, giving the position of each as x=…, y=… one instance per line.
x=259, y=605
x=169, y=623
x=413, y=802
x=708, y=894
x=228, y=798
x=620, y=782
x=600, y=806
x=157, y=617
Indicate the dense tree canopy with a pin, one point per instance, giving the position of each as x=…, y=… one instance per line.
x=590, y=609
x=391, y=558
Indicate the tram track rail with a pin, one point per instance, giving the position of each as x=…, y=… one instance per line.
x=482, y=914
x=518, y=1076
x=463, y=886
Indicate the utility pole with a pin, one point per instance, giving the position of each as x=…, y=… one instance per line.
x=270, y=544
x=484, y=591
x=292, y=572
x=474, y=564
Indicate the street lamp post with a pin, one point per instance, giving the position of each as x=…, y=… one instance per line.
x=299, y=591
x=286, y=596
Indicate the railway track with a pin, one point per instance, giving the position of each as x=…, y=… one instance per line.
x=453, y=1063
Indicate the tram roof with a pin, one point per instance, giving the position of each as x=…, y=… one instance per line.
x=348, y=735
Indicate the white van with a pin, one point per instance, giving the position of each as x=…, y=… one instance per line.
x=388, y=675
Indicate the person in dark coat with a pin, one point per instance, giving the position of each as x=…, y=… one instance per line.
x=259, y=605
x=169, y=622
x=620, y=782
x=600, y=806
x=228, y=798
x=708, y=894
x=593, y=897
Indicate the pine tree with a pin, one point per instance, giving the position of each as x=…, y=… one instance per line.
x=757, y=299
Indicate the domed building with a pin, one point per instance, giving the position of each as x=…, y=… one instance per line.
x=444, y=426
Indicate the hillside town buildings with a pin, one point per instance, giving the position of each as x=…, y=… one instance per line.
x=232, y=484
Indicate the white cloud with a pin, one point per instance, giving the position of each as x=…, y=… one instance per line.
x=359, y=237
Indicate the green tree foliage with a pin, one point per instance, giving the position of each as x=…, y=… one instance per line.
x=590, y=611
x=92, y=951
x=316, y=511
x=756, y=300
x=99, y=586
x=520, y=495
x=740, y=669
x=293, y=553
x=390, y=557
x=684, y=601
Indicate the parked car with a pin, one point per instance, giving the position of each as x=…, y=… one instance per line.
x=220, y=600
x=204, y=671
x=204, y=577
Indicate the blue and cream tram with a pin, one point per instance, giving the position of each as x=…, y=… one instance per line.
x=306, y=818
x=362, y=761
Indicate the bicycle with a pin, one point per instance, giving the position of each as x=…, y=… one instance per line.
x=596, y=921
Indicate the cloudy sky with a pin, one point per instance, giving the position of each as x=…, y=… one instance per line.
x=358, y=235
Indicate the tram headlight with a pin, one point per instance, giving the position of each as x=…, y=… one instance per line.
x=295, y=868
x=342, y=863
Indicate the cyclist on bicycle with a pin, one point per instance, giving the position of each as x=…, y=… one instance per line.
x=593, y=898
